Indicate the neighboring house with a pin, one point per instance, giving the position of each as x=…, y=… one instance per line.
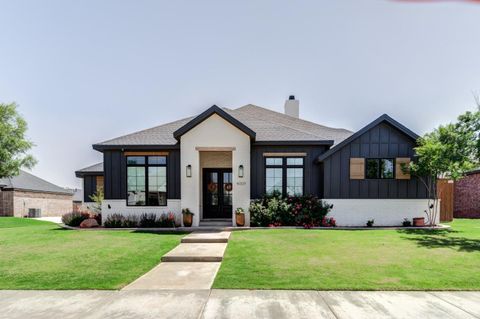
x=223, y=158
x=77, y=199
x=20, y=193
x=467, y=196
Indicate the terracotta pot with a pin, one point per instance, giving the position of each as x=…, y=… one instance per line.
x=240, y=219
x=187, y=220
x=419, y=221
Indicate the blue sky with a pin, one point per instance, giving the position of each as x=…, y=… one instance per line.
x=87, y=71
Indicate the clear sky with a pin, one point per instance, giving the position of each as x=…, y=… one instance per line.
x=86, y=71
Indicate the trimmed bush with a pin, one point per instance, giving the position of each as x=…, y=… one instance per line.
x=74, y=219
x=307, y=211
x=131, y=221
x=114, y=221
x=167, y=220
x=148, y=220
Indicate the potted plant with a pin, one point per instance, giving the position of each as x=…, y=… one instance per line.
x=419, y=221
x=187, y=217
x=240, y=217
x=406, y=222
x=370, y=222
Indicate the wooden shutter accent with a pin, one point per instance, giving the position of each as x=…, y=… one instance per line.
x=357, y=168
x=99, y=183
x=399, y=161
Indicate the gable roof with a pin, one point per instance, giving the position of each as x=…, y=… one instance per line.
x=95, y=169
x=267, y=125
x=382, y=118
x=206, y=114
x=28, y=182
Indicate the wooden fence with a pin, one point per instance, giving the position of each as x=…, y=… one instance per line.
x=445, y=188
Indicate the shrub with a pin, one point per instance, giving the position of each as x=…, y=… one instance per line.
x=131, y=221
x=114, y=221
x=166, y=220
x=370, y=222
x=148, y=220
x=406, y=222
x=74, y=219
x=329, y=222
x=268, y=211
x=307, y=211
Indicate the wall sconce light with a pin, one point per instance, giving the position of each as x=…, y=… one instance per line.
x=240, y=171
x=189, y=171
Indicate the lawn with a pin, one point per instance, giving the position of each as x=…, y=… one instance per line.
x=354, y=259
x=41, y=255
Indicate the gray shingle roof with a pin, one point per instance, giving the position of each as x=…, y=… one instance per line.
x=267, y=124
x=29, y=182
x=94, y=169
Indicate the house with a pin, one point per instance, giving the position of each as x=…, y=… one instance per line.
x=466, y=202
x=20, y=193
x=223, y=158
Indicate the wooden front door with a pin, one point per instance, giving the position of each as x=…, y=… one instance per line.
x=217, y=192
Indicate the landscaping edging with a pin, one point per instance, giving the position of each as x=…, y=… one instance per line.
x=191, y=229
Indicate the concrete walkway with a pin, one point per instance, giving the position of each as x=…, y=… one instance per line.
x=237, y=304
x=191, y=265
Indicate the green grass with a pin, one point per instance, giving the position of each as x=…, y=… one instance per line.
x=354, y=259
x=41, y=255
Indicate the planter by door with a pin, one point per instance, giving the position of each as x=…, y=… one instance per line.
x=240, y=219
x=419, y=221
x=217, y=193
x=187, y=220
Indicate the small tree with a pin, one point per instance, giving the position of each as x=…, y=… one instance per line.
x=13, y=143
x=97, y=198
x=449, y=151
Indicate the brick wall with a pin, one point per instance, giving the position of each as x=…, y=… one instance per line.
x=50, y=204
x=467, y=197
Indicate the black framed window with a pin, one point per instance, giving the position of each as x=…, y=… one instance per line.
x=146, y=180
x=380, y=168
x=284, y=175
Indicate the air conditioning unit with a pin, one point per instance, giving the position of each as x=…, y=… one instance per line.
x=34, y=212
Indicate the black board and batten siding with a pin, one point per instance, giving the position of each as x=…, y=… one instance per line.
x=115, y=172
x=312, y=173
x=381, y=141
x=89, y=187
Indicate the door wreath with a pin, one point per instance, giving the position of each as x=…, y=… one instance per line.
x=212, y=187
x=228, y=187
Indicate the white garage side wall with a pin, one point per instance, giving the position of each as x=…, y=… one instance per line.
x=385, y=212
x=214, y=132
x=119, y=206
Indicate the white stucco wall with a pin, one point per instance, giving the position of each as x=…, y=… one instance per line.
x=214, y=132
x=119, y=206
x=385, y=212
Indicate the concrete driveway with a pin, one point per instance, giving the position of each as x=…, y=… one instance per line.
x=237, y=304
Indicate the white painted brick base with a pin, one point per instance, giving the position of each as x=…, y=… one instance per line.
x=385, y=212
x=119, y=206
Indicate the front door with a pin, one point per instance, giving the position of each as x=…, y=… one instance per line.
x=217, y=192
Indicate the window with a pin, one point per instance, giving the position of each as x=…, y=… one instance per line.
x=284, y=175
x=379, y=168
x=146, y=180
